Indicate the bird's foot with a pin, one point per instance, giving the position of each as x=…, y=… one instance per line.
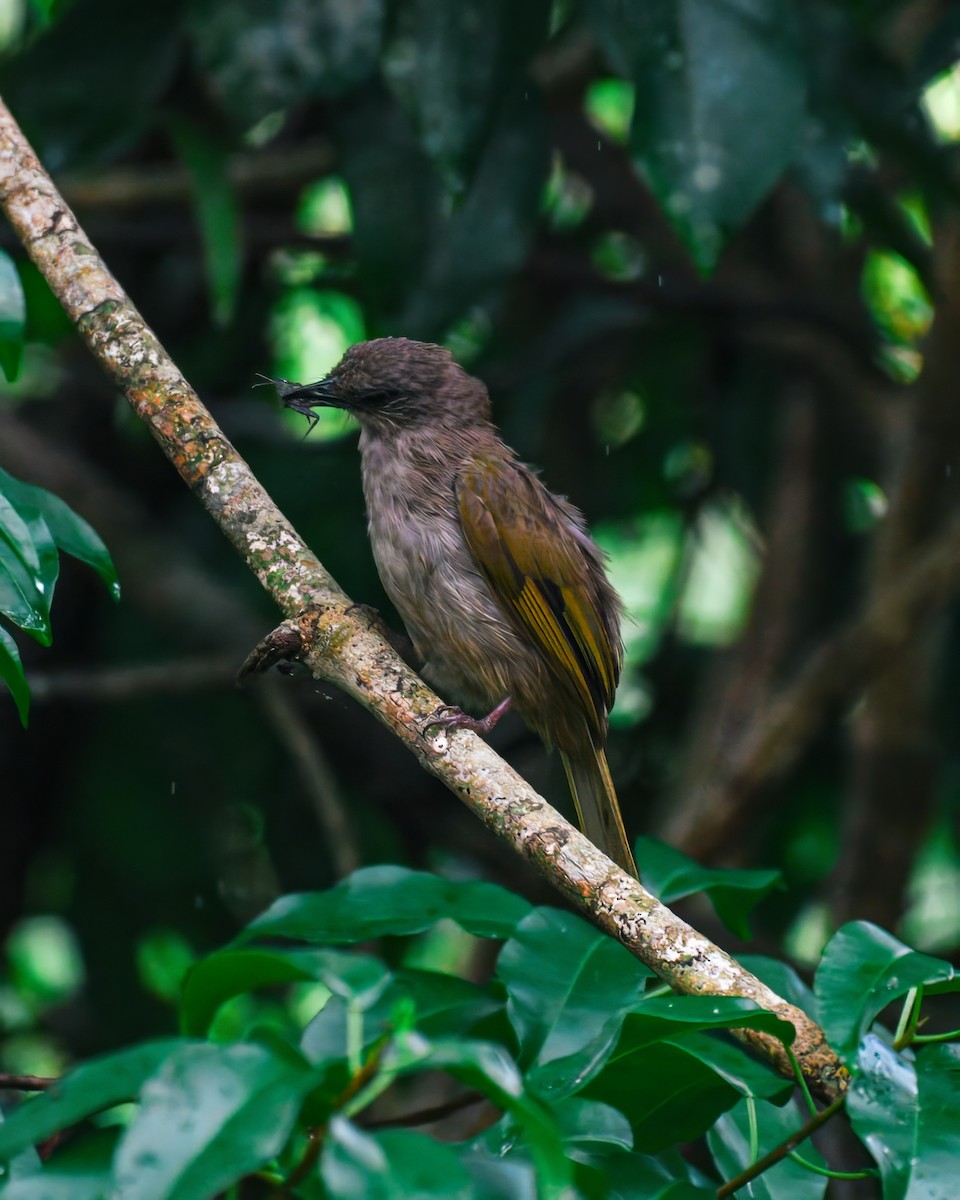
x=451, y=717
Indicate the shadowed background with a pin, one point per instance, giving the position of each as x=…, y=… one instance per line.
x=705, y=257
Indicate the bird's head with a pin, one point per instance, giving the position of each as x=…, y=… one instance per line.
x=394, y=383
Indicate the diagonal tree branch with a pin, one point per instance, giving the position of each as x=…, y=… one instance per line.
x=339, y=646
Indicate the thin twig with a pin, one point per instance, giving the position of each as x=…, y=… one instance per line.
x=428, y=1116
x=320, y=783
x=778, y=1153
x=26, y=1083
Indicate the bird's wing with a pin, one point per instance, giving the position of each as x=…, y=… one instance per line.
x=537, y=567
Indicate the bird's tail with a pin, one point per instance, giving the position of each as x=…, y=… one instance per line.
x=598, y=809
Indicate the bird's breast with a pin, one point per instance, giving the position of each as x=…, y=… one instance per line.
x=430, y=575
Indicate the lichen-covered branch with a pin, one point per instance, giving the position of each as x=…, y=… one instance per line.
x=337, y=644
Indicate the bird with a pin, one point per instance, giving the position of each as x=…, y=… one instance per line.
x=502, y=590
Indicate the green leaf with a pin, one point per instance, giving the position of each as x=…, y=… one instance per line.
x=218, y=977
x=261, y=56
x=672, y=876
x=209, y=1116
x=92, y=1087
x=81, y=1171
x=451, y=65
x=937, y=1150
x=21, y=596
x=640, y=1177
x=670, y=1081
x=71, y=532
x=391, y=241
x=728, y=1059
x=11, y=672
x=73, y=59
x=862, y=970
x=13, y=317
x=672, y=1016
x=730, y=1144
x=591, y=1127
x=720, y=100
x=671, y=1092
x=882, y=1106
x=478, y=246
x=909, y=1117
x=218, y=213
x=513, y=1177
x=442, y=1006
x=488, y=1068
x=377, y=901
x=568, y=987
x=783, y=979
x=397, y=1163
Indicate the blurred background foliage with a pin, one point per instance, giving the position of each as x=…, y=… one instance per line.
x=705, y=254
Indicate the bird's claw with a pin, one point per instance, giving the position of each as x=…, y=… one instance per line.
x=447, y=716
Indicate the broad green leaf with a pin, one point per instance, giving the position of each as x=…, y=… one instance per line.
x=261, y=56
x=23, y=598
x=11, y=672
x=568, y=989
x=937, y=1152
x=13, y=317
x=783, y=979
x=488, y=1068
x=882, y=1106
x=862, y=970
x=670, y=1081
x=909, y=1117
x=69, y=79
x=210, y=1115
x=674, y=1016
x=442, y=1006
x=396, y=1163
x=377, y=901
x=672, y=876
x=484, y=240
x=48, y=560
x=218, y=214
x=215, y=979
x=730, y=1144
x=78, y=1171
x=92, y=1087
x=71, y=532
x=391, y=241
x=451, y=65
x=728, y=1059
x=496, y=1177
x=668, y=1094
x=445, y=1005
x=642, y=1177
x=20, y=597
x=588, y=1126
x=14, y=529
x=720, y=103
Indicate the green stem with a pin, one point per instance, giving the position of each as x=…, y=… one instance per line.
x=354, y=1039
x=909, y=1018
x=778, y=1153
x=867, y=1173
x=920, y=1038
x=754, y=1148
x=802, y=1083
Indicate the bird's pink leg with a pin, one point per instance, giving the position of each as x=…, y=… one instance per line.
x=451, y=717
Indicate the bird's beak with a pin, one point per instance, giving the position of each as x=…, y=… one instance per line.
x=304, y=397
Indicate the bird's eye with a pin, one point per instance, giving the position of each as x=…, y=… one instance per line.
x=381, y=396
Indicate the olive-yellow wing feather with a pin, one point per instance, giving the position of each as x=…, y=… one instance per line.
x=534, y=561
